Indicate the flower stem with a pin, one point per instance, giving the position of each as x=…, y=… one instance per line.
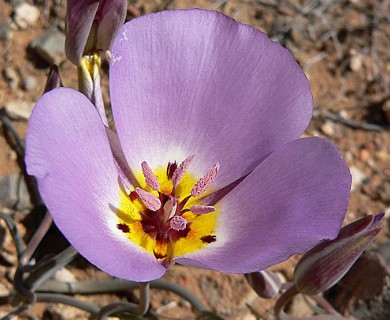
x=116, y=285
x=133, y=309
x=36, y=239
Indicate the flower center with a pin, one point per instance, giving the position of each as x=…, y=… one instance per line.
x=163, y=215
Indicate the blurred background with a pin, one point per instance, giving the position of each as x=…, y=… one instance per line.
x=343, y=47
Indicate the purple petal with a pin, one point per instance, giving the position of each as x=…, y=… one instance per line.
x=112, y=14
x=69, y=153
x=197, y=82
x=79, y=20
x=297, y=197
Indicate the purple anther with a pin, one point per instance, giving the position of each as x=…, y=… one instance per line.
x=179, y=172
x=150, y=179
x=204, y=183
x=150, y=201
x=202, y=209
x=178, y=223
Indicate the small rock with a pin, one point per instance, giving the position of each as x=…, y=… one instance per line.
x=13, y=192
x=358, y=177
x=5, y=32
x=64, y=275
x=16, y=3
x=50, y=46
x=30, y=83
x=3, y=290
x=328, y=128
x=384, y=251
x=365, y=155
x=12, y=155
x=300, y=308
x=356, y=62
x=26, y=15
x=19, y=109
x=12, y=77
x=248, y=316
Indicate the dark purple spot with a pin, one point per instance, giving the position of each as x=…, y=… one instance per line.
x=123, y=227
x=208, y=239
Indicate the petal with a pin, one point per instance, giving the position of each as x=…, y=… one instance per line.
x=79, y=20
x=69, y=153
x=113, y=14
x=197, y=82
x=295, y=198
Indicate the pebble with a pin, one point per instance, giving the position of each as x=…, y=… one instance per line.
x=13, y=192
x=329, y=128
x=50, y=46
x=19, y=109
x=356, y=62
x=30, y=83
x=5, y=31
x=64, y=275
x=358, y=177
x=12, y=77
x=384, y=251
x=300, y=308
x=26, y=15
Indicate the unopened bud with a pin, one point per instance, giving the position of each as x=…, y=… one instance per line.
x=92, y=26
x=325, y=264
x=265, y=283
x=53, y=79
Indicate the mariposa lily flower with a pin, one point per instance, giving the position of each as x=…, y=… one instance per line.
x=206, y=167
x=92, y=25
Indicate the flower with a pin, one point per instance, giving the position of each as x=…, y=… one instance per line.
x=206, y=168
x=92, y=25
x=326, y=263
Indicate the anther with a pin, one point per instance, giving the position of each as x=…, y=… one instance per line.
x=199, y=210
x=150, y=179
x=179, y=172
x=204, y=183
x=150, y=201
x=178, y=223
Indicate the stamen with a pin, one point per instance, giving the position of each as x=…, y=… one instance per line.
x=150, y=201
x=178, y=223
x=202, y=209
x=204, y=183
x=150, y=179
x=179, y=172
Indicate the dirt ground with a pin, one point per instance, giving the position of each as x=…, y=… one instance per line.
x=343, y=47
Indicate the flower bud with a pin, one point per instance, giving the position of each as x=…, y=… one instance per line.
x=326, y=263
x=53, y=79
x=265, y=283
x=92, y=25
